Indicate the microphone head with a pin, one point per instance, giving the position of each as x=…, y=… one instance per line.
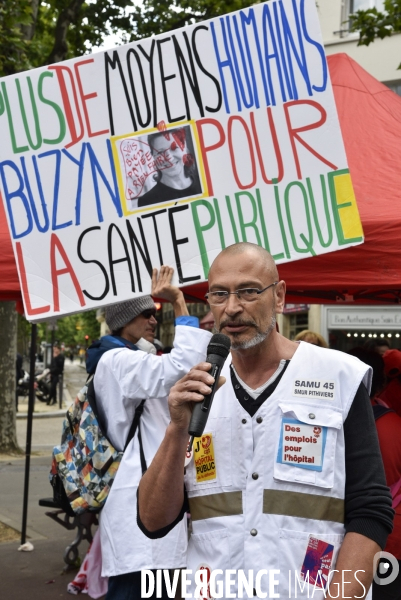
x=220, y=344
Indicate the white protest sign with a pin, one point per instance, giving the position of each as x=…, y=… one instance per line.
x=167, y=150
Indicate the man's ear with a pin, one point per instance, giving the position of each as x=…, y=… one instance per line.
x=280, y=296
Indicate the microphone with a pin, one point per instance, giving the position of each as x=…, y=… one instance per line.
x=217, y=352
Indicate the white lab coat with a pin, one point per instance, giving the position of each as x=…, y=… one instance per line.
x=123, y=379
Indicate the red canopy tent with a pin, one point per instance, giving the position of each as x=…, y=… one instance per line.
x=370, y=118
x=9, y=283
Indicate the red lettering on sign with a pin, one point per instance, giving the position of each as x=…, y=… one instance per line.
x=241, y=185
x=60, y=70
x=276, y=145
x=55, y=273
x=24, y=285
x=86, y=97
x=295, y=131
x=206, y=149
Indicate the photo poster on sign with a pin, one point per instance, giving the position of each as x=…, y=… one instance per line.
x=166, y=151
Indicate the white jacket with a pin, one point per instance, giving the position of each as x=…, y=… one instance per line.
x=256, y=512
x=123, y=379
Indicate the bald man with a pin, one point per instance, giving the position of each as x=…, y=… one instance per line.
x=286, y=484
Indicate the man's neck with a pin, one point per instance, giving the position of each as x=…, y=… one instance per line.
x=256, y=365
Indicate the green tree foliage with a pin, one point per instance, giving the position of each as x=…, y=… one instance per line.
x=159, y=16
x=372, y=24
x=71, y=330
x=35, y=33
x=23, y=335
x=13, y=47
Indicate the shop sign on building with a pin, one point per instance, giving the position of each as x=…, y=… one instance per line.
x=363, y=319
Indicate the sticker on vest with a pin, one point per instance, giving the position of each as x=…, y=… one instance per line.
x=205, y=463
x=314, y=388
x=317, y=562
x=301, y=445
x=188, y=456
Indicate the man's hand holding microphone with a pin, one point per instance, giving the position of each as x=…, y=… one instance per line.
x=190, y=401
x=199, y=386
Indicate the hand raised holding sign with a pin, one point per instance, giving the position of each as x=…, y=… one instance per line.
x=163, y=289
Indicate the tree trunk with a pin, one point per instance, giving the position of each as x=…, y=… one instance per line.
x=66, y=17
x=8, y=353
x=28, y=31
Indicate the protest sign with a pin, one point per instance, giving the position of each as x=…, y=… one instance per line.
x=167, y=150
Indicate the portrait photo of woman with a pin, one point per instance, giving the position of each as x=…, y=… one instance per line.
x=176, y=174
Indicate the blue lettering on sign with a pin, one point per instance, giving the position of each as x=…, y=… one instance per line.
x=23, y=198
x=281, y=38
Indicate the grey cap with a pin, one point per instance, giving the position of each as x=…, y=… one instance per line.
x=118, y=315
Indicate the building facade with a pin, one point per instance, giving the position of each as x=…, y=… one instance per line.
x=380, y=59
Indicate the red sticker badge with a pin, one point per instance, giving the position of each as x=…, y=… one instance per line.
x=317, y=562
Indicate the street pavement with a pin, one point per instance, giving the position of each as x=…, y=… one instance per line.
x=38, y=574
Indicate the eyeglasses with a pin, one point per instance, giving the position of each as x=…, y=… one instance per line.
x=245, y=295
x=148, y=313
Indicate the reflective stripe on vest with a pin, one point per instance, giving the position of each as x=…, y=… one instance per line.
x=276, y=502
x=211, y=506
x=306, y=506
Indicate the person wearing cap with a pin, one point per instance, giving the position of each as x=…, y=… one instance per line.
x=125, y=376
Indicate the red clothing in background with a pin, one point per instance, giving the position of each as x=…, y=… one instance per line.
x=391, y=395
x=389, y=433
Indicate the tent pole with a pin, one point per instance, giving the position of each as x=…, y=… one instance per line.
x=29, y=430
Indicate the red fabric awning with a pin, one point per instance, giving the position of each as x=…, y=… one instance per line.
x=9, y=282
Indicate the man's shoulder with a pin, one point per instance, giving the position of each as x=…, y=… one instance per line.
x=335, y=356
x=120, y=353
x=103, y=353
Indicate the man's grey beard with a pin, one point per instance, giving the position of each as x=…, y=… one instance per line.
x=257, y=339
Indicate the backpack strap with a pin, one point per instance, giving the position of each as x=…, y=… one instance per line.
x=91, y=396
x=134, y=426
x=138, y=412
